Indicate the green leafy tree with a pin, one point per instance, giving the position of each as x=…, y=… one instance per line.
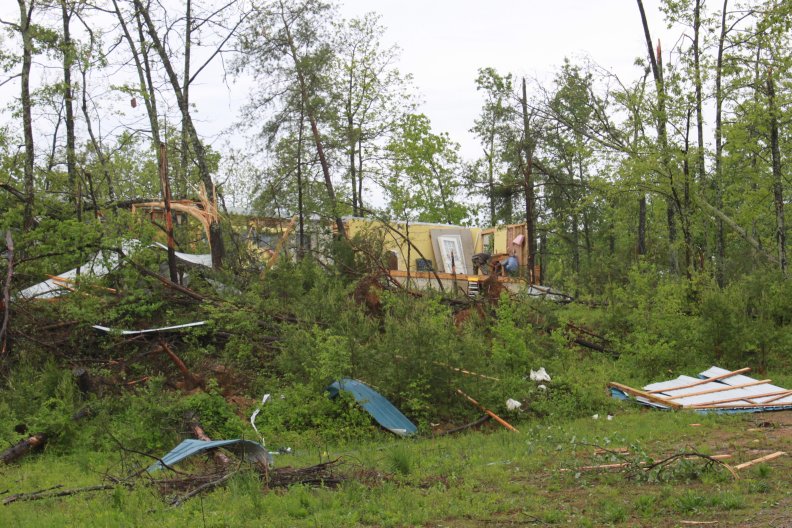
x=424, y=183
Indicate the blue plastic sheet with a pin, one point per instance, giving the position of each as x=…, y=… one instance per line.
x=245, y=449
x=376, y=405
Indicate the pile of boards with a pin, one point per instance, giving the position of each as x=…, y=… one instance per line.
x=714, y=390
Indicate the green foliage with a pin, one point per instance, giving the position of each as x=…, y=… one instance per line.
x=423, y=184
x=512, y=344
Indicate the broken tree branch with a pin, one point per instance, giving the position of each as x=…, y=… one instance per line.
x=46, y=494
x=494, y=416
x=22, y=448
x=190, y=379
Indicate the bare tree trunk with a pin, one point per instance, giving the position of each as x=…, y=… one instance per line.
x=734, y=226
x=360, y=177
x=314, y=127
x=575, y=243
x=697, y=70
x=25, y=29
x=181, y=186
x=720, y=248
x=491, y=175
x=68, y=96
x=655, y=62
x=6, y=300
x=166, y=198
x=642, y=225
x=215, y=233
x=778, y=189
x=530, y=213
x=300, y=211
x=687, y=180
x=352, y=167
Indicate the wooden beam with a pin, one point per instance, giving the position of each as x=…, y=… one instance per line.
x=703, y=381
x=719, y=389
x=749, y=398
x=743, y=406
x=494, y=416
x=765, y=458
x=776, y=398
x=647, y=395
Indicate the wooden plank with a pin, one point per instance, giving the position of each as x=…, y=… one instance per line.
x=780, y=397
x=703, y=381
x=742, y=406
x=719, y=389
x=647, y=395
x=749, y=398
x=765, y=458
x=494, y=416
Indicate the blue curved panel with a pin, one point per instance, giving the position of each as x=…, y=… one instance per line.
x=376, y=405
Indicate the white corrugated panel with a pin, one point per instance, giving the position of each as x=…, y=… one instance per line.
x=761, y=393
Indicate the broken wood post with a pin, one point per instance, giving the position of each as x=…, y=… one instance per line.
x=22, y=448
x=220, y=458
x=191, y=380
x=494, y=416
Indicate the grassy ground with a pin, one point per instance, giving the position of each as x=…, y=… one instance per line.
x=487, y=478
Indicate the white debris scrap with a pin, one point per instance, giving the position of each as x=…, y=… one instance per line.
x=513, y=405
x=540, y=375
x=256, y=412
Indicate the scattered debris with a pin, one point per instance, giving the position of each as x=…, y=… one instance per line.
x=98, y=266
x=494, y=416
x=264, y=400
x=715, y=390
x=540, y=375
x=461, y=428
x=376, y=405
x=148, y=330
x=247, y=450
x=641, y=466
x=189, y=258
x=513, y=405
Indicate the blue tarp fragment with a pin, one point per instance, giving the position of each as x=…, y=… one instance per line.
x=376, y=405
x=246, y=449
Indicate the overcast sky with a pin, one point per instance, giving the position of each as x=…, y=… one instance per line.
x=444, y=43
